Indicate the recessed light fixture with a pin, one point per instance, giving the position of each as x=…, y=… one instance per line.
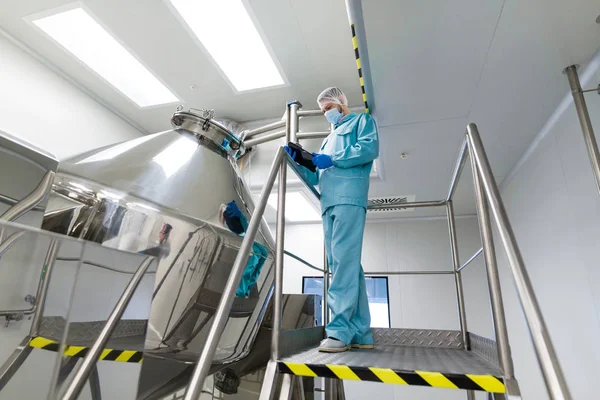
x=86, y=39
x=297, y=207
x=227, y=32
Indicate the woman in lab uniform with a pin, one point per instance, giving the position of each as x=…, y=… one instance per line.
x=344, y=165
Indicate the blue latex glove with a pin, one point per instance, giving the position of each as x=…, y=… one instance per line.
x=322, y=161
x=291, y=152
x=232, y=210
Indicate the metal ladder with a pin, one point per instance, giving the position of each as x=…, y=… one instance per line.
x=449, y=359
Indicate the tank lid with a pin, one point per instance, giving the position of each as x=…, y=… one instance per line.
x=210, y=133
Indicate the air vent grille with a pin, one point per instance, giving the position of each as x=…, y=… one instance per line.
x=391, y=201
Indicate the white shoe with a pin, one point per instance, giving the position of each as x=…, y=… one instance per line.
x=330, y=345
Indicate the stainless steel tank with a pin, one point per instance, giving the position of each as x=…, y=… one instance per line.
x=161, y=194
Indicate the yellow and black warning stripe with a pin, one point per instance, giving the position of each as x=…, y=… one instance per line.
x=359, y=66
x=486, y=383
x=129, y=356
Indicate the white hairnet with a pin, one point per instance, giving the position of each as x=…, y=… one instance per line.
x=332, y=95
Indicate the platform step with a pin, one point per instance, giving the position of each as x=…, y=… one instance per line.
x=433, y=363
x=114, y=353
x=442, y=368
x=126, y=344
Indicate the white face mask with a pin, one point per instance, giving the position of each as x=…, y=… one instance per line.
x=333, y=116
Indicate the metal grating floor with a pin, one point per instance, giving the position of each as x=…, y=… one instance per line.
x=404, y=365
x=400, y=358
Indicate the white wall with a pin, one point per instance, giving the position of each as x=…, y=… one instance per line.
x=42, y=108
x=554, y=208
x=427, y=302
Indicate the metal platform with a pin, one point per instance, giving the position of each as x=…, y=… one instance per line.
x=433, y=360
x=85, y=333
x=126, y=344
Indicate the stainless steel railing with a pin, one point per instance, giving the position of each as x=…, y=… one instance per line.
x=497, y=306
x=278, y=168
x=33, y=308
x=18, y=357
x=85, y=369
x=11, y=202
x=487, y=196
x=220, y=318
x=544, y=349
x=31, y=200
x=584, y=120
x=376, y=273
x=26, y=204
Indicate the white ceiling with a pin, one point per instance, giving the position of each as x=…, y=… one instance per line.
x=438, y=65
x=435, y=67
x=313, y=49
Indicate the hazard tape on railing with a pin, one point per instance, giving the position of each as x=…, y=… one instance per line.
x=486, y=383
x=129, y=356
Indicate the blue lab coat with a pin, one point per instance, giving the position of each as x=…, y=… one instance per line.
x=353, y=146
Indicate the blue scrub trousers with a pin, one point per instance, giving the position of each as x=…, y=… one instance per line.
x=343, y=227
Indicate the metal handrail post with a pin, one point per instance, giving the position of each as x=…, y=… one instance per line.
x=265, y=128
x=43, y=285
x=389, y=273
x=264, y=138
x=313, y=135
x=18, y=357
x=221, y=315
x=493, y=278
x=544, y=349
x=416, y=204
x=291, y=129
x=11, y=202
x=330, y=389
x=279, y=252
x=31, y=200
x=584, y=120
x=84, y=370
x=294, y=122
x=460, y=295
x=310, y=113
x=325, y=286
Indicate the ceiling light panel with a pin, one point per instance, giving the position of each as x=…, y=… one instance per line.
x=80, y=34
x=228, y=33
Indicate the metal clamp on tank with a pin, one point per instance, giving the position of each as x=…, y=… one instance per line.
x=210, y=133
